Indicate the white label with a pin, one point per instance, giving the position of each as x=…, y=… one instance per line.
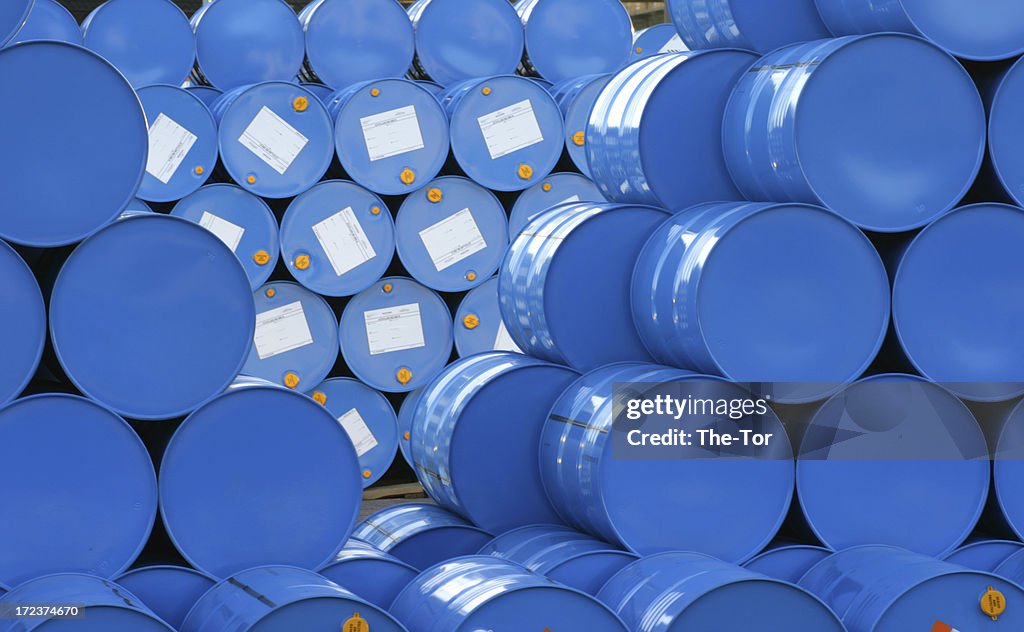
x=504, y=342
x=674, y=45
x=344, y=241
x=392, y=133
x=360, y=434
x=453, y=239
x=510, y=129
x=272, y=139
x=282, y=329
x=229, y=233
x=394, y=329
x=169, y=143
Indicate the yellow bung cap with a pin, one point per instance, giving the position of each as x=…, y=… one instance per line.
x=301, y=104
x=251, y=179
x=525, y=172
x=471, y=321
x=375, y=92
x=271, y=292
x=547, y=187
x=375, y=210
x=435, y=195
x=404, y=376
x=408, y=176
x=406, y=435
x=486, y=91
x=639, y=50
x=580, y=138
x=291, y=380
x=355, y=624
x=471, y=276
x=261, y=257
x=199, y=170
x=993, y=603
x=320, y=398
x=302, y=262
x=388, y=287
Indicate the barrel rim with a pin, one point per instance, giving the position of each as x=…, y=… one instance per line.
x=612, y=5
x=997, y=99
x=163, y=567
x=40, y=305
x=956, y=50
x=7, y=37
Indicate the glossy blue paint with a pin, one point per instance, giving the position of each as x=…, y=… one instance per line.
x=405, y=413
x=750, y=24
x=372, y=574
x=576, y=99
x=554, y=190
x=787, y=562
x=420, y=534
x=169, y=591
x=49, y=20
x=22, y=324
x=175, y=115
x=1012, y=568
x=13, y=16
x=321, y=91
x=1003, y=127
x=434, y=88
x=206, y=94
x=136, y=207
x=983, y=554
x=478, y=324
x=1007, y=502
x=657, y=40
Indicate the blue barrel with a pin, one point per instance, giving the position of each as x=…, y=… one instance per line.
x=554, y=190
x=372, y=574
x=576, y=98
x=206, y=94
x=182, y=143
x=486, y=593
x=564, y=279
x=691, y=271
x=294, y=455
x=657, y=40
x=560, y=554
x=369, y=420
x=452, y=234
x=13, y=16
x=350, y=41
x=742, y=498
x=49, y=20
x=99, y=606
x=1007, y=501
x=276, y=138
x=136, y=207
x=886, y=589
x=169, y=591
x=390, y=135
x=1012, y=568
x=405, y=413
x=571, y=38
x=506, y=131
x=474, y=438
x=22, y=324
x=88, y=469
x=904, y=116
x=321, y=91
x=421, y=535
x=284, y=598
x=478, y=324
x=435, y=88
x=242, y=42
x=1004, y=126
x=458, y=40
x=242, y=221
x=983, y=554
x=396, y=335
x=150, y=41
x=787, y=562
x=749, y=24
x=98, y=165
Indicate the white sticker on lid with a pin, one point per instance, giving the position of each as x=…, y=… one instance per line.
x=674, y=45
x=273, y=140
x=229, y=233
x=281, y=330
x=344, y=241
x=360, y=434
x=510, y=129
x=392, y=133
x=453, y=239
x=504, y=342
x=169, y=143
x=394, y=329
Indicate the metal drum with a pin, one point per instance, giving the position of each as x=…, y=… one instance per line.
x=77, y=464
x=136, y=207
x=1012, y=568
x=478, y=324
x=405, y=413
x=242, y=221
x=903, y=115
x=396, y=335
x=487, y=593
x=645, y=146
x=182, y=143
x=506, y=131
x=886, y=589
x=564, y=279
x=421, y=535
x=1007, y=501
x=98, y=165
x=273, y=598
x=369, y=420
x=749, y=24
x=435, y=88
x=349, y=41
x=321, y=91
x=161, y=333
x=206, y=94
x=372, y=574
x=657, y=40
x=458, y=40
x=22, y=324
x=13, y=16
x=576, y=98
x=390, y=135
x=452, y=234
x=276, y=138
x=478, y=402
x=1004, y=126
x=560, y=554
x=690, y=272
x=284, y=450
x=554, y=190
x=150, y=41
x=742, y=496
x=571, y=38
x=169, y=591
x=787, y=562
x=984, y=555
x=242, y=42
x=49, y=20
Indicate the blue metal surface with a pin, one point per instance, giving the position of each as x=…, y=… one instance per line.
x=350, y=41
x=405, y=413
x=369, y=420
x=458, y=40
x=787, y=562
x=283, y=450
x=690, y=272
x=94, y=474
x=904, y=116
x=562, y=283
x=169, y=591
x=321, y=91
x=750, y=24
x=984, y=555
x=576, y=98
x=177, y=119
x=554, y=190
x=372, y=574
x=242, y=42
x=136, y=207
x=1007, y=502
x=22, y=324
x=455, y=243
x=207, y=94
x=49, y=20
x=506, y=131
x=741, y=499
x=412, y=335
x=886, y=589
x=571, y=38
x=421, y=535
x=383, y=145
x=478, y=324
x=677, y=591
x=94, y=143
x=487, y=593
x=271, y=598
x=434, y=88
x=281, y=117
x=13, y=16
x=1012, y=568
x=1003, y=127
x=232, y=213
x=474, y=438
x=657, y=40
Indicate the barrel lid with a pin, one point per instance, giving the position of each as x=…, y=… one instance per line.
x=757, y=26
x=421, y=534
x=787, y=563
x=984, y=555
x=13, y=16
x=321, y=91
x=405, y=415
x=478, y=323
x=182, y=143
x=1004, y=126
x=657, y=40
x=49, y=20
x=207, y=94
x=169, y=591
x=571, y=38
x=556, y=189
x=576, y=108
x=988, y=32
x=376, y=578
x=22, y=324
x=1008, y=471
